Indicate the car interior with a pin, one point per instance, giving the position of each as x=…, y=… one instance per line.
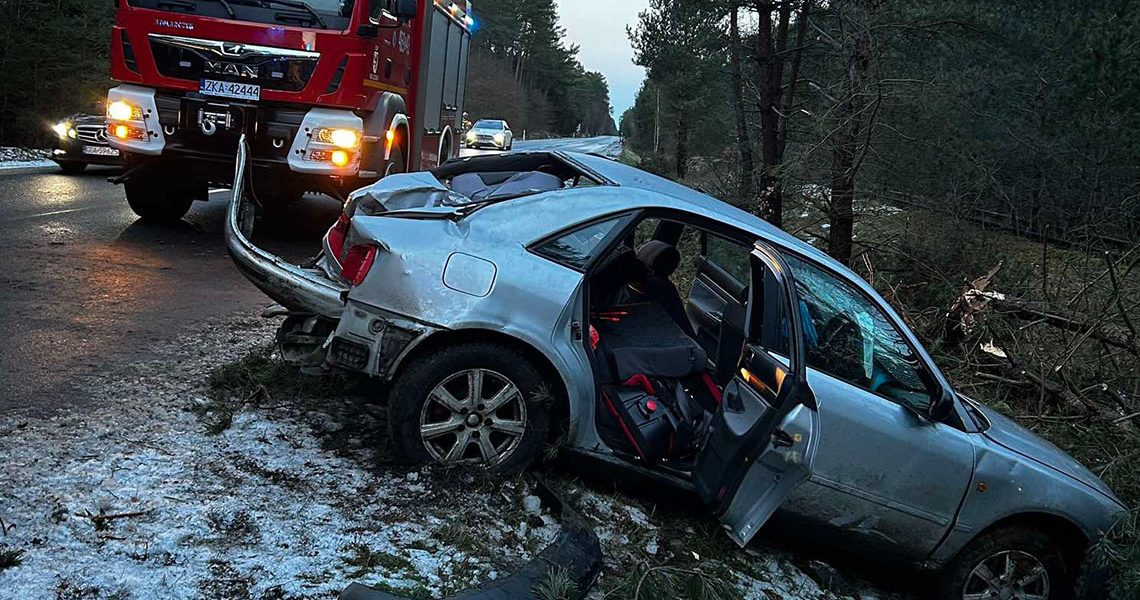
x=666, y=332
x=667, y=308
x=485, y=178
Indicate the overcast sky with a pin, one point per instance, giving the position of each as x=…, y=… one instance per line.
x=598, y=27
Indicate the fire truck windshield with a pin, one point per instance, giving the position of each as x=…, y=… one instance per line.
x=320, y=14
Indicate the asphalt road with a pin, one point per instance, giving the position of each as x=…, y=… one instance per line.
x=84, y=284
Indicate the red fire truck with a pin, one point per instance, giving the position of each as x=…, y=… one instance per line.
x=331, y=94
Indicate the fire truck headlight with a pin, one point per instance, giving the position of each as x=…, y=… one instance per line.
x=122, y=132
x=341, y=138
x=339, y=158
x=124, y=111
x=61, y=128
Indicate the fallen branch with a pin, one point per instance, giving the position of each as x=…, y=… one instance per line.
x=1062, y=318
x=1126, y=417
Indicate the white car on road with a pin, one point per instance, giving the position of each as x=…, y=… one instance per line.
x=490, y=132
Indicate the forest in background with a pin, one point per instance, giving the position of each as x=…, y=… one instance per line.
x=54, y=57
x=977, y=162
x=523, y=71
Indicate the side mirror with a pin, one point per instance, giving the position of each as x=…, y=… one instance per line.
x=406, y=10
x=942, y=408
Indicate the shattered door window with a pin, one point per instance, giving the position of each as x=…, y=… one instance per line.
x=849, y=337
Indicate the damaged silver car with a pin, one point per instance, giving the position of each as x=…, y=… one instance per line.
x=511, y=299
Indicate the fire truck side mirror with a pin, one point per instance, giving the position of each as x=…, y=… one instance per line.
x=406, y=10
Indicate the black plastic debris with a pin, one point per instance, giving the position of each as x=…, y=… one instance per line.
x=576, y=551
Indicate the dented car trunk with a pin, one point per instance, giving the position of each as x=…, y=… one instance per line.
x=330, y=322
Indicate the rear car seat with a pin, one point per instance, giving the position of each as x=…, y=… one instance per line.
x=486, y=186
x=643, y=359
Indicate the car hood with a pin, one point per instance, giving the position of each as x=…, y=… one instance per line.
x=1008, y=434
x=86, y=119
x=486, y=131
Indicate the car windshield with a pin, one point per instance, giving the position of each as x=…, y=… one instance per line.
x=488, y=125
x=319, y=14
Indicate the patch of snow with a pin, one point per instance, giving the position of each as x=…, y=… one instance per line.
x=20, y=154
x=135, y=499
x=631, y=538
x=12, y=165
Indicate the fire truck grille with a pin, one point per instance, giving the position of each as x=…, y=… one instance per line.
x=195, y=59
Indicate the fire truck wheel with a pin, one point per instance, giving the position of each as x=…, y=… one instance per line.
x=396, y=162
x=72, y=167
x=157, y=202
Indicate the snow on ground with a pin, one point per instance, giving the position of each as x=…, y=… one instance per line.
x=18, y=154
x=12, y=158
x=135, y=500
x=644, y=542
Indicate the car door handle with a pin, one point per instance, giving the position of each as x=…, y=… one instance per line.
x=781, y=439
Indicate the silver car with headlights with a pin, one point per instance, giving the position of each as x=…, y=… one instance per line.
x=515, y=299
x=490, y=133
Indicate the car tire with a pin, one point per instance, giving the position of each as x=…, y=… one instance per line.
x=1026, y=548
x=160, y=201
x=414, y=408
x=72, y=167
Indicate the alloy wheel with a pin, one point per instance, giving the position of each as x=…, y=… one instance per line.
x=1008, y=575
x=473, y=416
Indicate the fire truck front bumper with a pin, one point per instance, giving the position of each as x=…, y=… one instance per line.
x=201, y=133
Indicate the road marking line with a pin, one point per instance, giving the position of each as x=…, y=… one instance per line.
x=51, y=213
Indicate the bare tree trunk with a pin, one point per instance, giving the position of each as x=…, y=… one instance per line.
x=845, y=155
x=771, y=54
x=770, y=202
x=682, y=155
x=743, y=140
x=797, y=59
x=842, y=206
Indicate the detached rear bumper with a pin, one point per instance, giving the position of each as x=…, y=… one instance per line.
x=296, y=288
x=323, y=331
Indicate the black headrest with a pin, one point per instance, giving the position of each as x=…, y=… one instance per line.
x=660, y=257
x=615, y=273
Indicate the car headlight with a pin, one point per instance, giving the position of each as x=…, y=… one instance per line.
x=121, y=110
x=61, y=128
x=499, y=138
x=341, y=138
x=471, y=136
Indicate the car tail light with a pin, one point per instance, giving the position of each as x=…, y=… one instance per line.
x=357, y=263
x=336, y=235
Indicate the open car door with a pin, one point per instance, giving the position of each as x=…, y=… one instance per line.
x=763, y=437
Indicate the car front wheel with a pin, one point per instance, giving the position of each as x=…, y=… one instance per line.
x=476, y=404
x=1007, y=564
